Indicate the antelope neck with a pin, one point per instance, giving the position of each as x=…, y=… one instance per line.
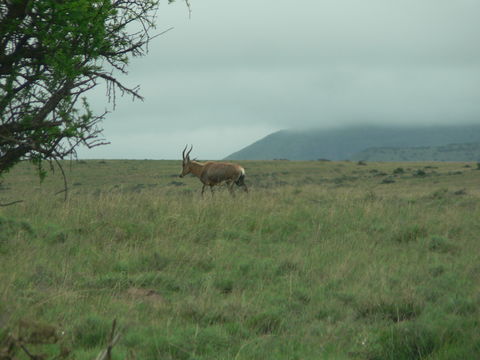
x=196, y=168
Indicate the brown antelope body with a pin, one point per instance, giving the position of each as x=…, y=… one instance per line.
x=214, y=173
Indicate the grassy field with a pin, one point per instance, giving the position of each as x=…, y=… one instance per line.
x=321, y=260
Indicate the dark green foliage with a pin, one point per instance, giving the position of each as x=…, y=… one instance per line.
x=441, y=244
x=267, y=322
x=420, y=173
x=461, y=305
x=404, y=341
x=410, y=233
x=440, y=194
x=91, y=331
x=395, y=312
x=388, y=181
x=154, y=261
x=52, y=52
x=11, y=228
x=399, y=170
x=187, y=343
x=287, y=267
x=225, y=286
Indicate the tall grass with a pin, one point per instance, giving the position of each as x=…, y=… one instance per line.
x=320, y=260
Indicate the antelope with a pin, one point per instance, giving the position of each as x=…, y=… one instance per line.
x=214, y=173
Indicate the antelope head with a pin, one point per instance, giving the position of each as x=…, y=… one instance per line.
x=186, y=161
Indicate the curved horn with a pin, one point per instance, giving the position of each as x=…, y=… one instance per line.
x=189, y=151
x=183, y=152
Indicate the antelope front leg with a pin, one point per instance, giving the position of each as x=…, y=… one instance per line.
x=203, y=189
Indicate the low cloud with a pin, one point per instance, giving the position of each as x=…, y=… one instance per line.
x=249, y=68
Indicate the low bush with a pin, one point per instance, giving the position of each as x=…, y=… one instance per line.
x=404, y=341
x=410, y=233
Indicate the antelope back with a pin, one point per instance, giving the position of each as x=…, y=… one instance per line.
x=219, y=171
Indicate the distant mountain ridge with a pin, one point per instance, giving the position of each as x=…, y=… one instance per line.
x=451, y=152
x=350, y=143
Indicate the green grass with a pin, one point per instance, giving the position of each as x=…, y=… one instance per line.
x=321, y=260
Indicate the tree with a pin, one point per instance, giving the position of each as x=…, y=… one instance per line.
x=51, y=53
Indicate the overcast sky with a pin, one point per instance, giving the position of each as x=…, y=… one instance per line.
x=238, y=70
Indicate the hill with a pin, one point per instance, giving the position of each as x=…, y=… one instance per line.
x=452, y=152
x=348, y=142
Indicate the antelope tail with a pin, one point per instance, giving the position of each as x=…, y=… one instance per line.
x=240, y=181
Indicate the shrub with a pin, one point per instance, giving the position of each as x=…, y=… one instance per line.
x=9, y=228
x=91, y=331
x=420, y=173
x=408, y=341
x=411, y=233
x=388, y=181
x=440, y=193
x=441, y=244
x=460, y=192
x=371, y=196
x=266, y=322
x=460, y=305
x=393, y=311
x=287, y=267
x=225, y=286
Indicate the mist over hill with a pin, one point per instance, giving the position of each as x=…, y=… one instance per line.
x=350, y=143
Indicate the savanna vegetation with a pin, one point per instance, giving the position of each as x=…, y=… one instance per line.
x=321, y=260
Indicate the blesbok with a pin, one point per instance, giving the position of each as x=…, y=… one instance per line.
x=213, y=172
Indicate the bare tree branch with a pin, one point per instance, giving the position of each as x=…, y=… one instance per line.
x=11, y=203
x=113, y=339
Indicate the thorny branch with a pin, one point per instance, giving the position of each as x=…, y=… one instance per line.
x=189, y=8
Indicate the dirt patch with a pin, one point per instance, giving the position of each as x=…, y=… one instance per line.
x=147, y=295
